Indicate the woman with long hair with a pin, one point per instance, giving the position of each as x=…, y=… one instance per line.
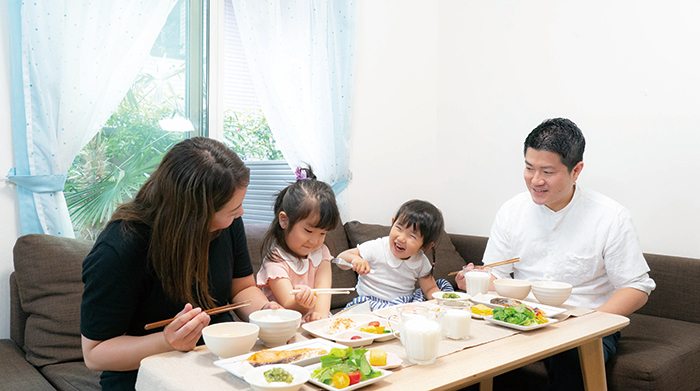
x=176, y=249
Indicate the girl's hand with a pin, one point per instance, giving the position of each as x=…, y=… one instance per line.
x=360, y=266
x=313, y=316
x=184, y=332
x=305, y=297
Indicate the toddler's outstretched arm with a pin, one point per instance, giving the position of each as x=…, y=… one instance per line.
x=352, y=256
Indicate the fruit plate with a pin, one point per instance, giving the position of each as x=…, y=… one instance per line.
x=238, y=367
x=347, y=329
x=311, y=368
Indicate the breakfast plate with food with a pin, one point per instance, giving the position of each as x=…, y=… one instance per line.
x=494, y=301
x=520, y=317
x=346, y=369
x=300, y=353
x=352, y=330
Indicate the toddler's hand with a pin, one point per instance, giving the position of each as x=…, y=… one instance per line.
x=313, y=316
x=305, y=297
x=272, y=305
x=360, y=266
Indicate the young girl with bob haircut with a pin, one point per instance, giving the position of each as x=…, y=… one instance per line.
x=389, y=267
x=293, y=249
x=179, y=244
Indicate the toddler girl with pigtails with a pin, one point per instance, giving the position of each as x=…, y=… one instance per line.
x=294, y=254
x=389, y=267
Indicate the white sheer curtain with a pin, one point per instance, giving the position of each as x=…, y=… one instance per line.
x=72, y=63
x=301, y=56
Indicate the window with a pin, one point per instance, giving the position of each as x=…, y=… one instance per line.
x=246, y=130
x=168, y=101
x=117, y=161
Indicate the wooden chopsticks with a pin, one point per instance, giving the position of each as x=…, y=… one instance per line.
x=326, y=291
x=212, y=311
x=501, y=263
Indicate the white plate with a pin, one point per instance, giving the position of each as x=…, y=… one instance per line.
x=519, y=327
x=392, y=361
x=388, y=311
x=462, y=296
x=549, y=311
x=319, y=328
x=234, y=366
x=384, y=374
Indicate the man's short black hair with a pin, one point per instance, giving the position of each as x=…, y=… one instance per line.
x=561, y=136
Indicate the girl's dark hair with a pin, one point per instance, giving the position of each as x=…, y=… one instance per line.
x=423, y=217
x=303, y=198
x=561, y=136
x=195, y=179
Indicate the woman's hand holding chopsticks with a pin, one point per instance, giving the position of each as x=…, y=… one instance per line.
x=183, y=331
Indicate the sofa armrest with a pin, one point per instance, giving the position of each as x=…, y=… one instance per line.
x=676, y=294
x=16, y=373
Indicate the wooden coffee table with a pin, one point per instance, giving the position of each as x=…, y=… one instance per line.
x=477, y=364
x=480, y=364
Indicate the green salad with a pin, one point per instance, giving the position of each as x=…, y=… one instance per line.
x=520, y=315
x=347, y=360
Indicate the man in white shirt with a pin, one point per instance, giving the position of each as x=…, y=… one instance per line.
x=562, y=232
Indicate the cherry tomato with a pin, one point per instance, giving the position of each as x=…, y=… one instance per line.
x=373, y=323
x=355, y=337
x=354, y=377
x=341, y=380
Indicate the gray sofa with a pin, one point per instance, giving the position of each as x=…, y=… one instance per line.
x=659, y=350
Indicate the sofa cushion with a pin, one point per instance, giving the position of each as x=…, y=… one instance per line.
x=16, y=373
x=72, y=376
x=447, y=259
x=48, y=272
x=254, y=234
x=656, y=353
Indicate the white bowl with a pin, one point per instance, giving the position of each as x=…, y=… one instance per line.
x=256, y=378
x=230, y=339
x=508, y=287
x=552, y=293
x=276, y=326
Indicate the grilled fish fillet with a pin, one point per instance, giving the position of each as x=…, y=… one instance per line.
x=505, y=301
x=267, y=356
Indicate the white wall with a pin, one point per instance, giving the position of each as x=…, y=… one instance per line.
x=10, y=228
x=448, y=90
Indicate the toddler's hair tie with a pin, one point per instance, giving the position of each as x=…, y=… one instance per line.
x=301, y=175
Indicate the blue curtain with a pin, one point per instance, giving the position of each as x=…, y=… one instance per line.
x=301, y=56
x=72, y=61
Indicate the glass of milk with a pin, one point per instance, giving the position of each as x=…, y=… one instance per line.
x=456, y=319
x=477, y=282
x=420, y=330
